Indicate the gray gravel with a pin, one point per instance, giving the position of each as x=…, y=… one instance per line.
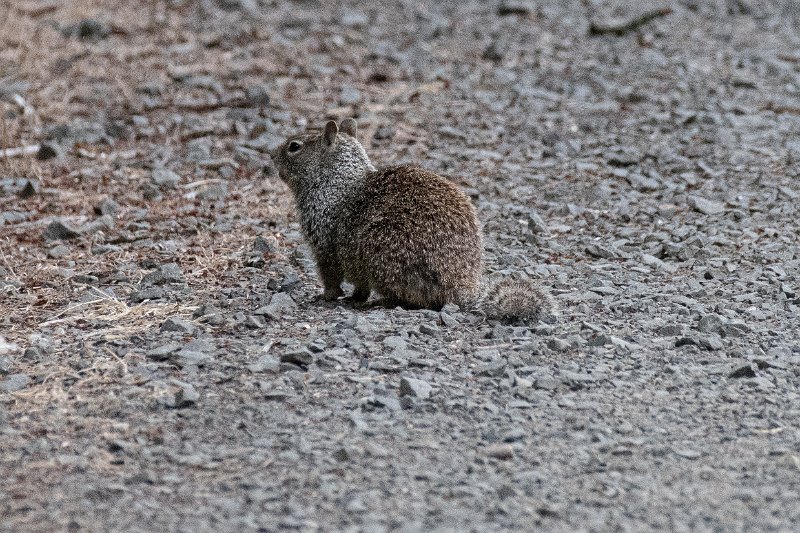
x=166, y=363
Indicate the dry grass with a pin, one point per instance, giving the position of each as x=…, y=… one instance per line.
x=46, y=80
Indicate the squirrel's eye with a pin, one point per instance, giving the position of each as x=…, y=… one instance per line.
x=294, y=146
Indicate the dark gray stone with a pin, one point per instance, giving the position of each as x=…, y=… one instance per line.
x=178, y=324
x=49, y=150
x=104, y=222
x=280, y=303
x=150, y=293
x=89, y=29
x=301, y=357
x=108, y=207
x=257, y=95
x=58, y=230
x=167, y=273
x=558, y=345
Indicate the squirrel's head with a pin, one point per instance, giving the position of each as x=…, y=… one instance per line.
x=310, y=159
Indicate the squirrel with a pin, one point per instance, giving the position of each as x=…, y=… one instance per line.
x=407, y=233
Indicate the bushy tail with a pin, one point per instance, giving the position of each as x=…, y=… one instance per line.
x=516, y=300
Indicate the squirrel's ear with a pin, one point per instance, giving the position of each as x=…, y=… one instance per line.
x=349, y=127
x=330, y=132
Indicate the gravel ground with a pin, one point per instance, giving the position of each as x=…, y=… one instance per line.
x=165, y=364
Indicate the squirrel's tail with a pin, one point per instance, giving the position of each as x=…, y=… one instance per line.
x=516, y=300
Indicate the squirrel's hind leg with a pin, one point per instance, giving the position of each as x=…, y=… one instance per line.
x=332, y=277
x=361, y=293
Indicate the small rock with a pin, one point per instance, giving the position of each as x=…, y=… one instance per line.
x=788, y=290
x=254, y=322
x=670, y=330
x=744, y=371
x=511, y=7
x=177, y=324
x=49, y=150
x=257, y=95
x=734, y=329
x=622, y=157
x=199, y=81
x=218, y=191
x=162, y=353
x=390, y=402
x=603, y=252
x=150, y=192
x=558, y=345
x=302, y=357
x=32, y=353
x=536, y=223
x=428, y=329
x=289, y=282
x=108, y=207
x=105, y=222
x=188, y=356
x=500, y=451
x=702, y=205
x=262, y=245
x=58, y=230
x=653, y=261
x=57, y=252
x=341, y=455
x=167, y=273
x=14, y=382
x=6, y=347
x=150, y=293
x=350, y=96
x=643, y=183
x=710, y=323
x=493, y=369
x=687, y=453
x=710, y=342
x=354, y=19
x=415, y=387
x=576, y=378
x=85, y=279
x=514, y=435
x=163, y=177
x=265, y=363
x=279, y=304
x=492, y=53
x=546, y=383
x=383, y=132
x=87, y=29
x=205, y=310
x=30, y=189
x=186, y=396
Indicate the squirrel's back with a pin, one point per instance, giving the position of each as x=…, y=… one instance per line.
x=414, y=237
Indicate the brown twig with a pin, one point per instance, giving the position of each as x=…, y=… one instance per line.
x=779, y=109
x=621, y=27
